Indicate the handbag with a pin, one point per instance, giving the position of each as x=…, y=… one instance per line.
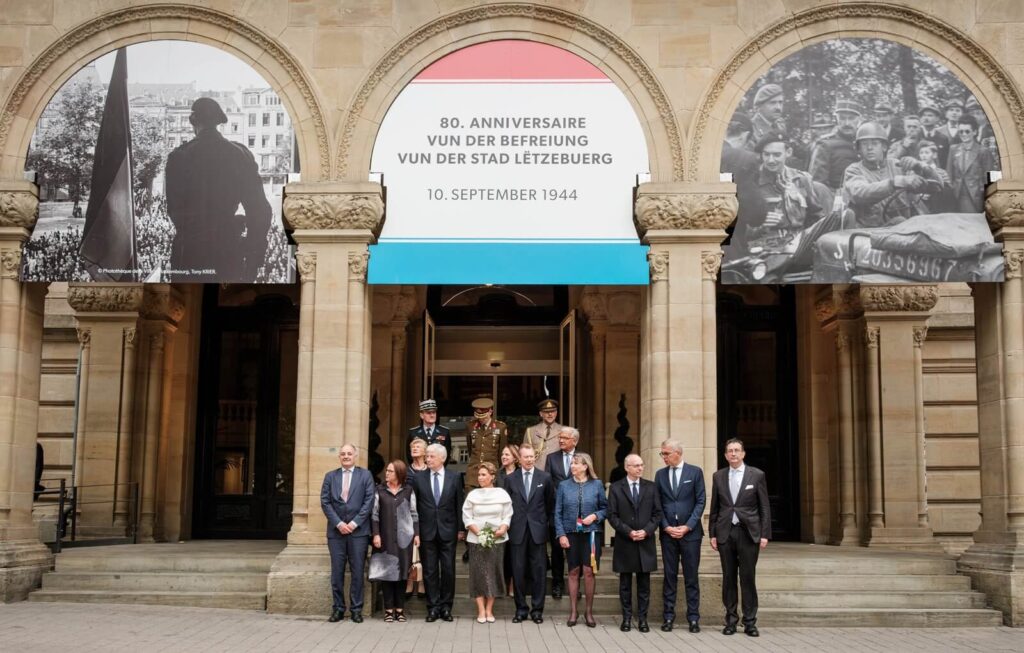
x=384, y=567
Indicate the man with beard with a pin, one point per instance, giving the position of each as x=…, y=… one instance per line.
x=881, y=191
x=767, y=113
x=779, y=198
x=932, y=131
x=969, y=163
x=835, y=151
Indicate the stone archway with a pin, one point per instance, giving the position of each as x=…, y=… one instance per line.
x=510, y=20
x=82, y=44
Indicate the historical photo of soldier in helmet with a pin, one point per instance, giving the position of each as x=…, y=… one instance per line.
x=162, y=162
x=860, y=160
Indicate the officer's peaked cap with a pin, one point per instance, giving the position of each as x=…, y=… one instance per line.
x=428, y=404
x=483, y=403
x=547, y=404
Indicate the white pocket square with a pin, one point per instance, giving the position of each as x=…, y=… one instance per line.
x=749, y=487
x=690, y=480
x=541, y=485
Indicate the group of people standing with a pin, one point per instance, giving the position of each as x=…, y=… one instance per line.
x=517, y=500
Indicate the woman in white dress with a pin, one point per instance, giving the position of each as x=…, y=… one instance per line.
x=487, y=508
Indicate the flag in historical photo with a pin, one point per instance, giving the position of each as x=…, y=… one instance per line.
x=108, y=240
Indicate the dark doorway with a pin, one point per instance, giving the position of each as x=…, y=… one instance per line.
x=245, y=427
x=757, y=392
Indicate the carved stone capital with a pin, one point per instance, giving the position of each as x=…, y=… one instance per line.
x=160, y=302
x=899, y=298
x=357, y=264
x=84, y=336
x=1014, y=260
x=674, y=206
x=847, y=301
x=842, y=341
x=710, y=263
x=95, y=298
x=920, y=335
x=306, y=263
x=19, y=204
x=594, y=305
x=658, y=262
x=130, y=333
x=824, y=309
x=1004, y=204
x=871, y=334
x=10, y=262
x=334, y=206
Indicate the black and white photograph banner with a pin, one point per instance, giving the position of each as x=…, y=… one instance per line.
x=162, y=162
x=860, y=160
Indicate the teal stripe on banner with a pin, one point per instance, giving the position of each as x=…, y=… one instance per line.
x=461, y=263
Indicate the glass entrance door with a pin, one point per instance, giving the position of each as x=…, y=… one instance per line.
x=245, y=440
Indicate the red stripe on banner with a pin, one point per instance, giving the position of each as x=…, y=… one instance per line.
x=511, y=60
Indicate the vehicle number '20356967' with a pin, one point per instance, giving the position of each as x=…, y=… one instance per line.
x=924, y=268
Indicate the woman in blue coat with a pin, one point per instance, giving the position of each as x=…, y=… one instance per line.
x=580, y=507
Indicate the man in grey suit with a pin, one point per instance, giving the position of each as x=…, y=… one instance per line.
x=741, y=525
x=347, y=499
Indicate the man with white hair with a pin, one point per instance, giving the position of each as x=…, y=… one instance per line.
x=681, y=486
x=557, y=466
x=439, y=497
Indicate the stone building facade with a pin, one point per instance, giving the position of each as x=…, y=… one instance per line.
x=906, y=424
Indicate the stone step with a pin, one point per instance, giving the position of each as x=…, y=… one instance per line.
x=118, y=581
x=232, y=600
x=888, y=618
x=132, y=562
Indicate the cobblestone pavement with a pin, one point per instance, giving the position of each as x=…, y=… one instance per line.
x=49, y=627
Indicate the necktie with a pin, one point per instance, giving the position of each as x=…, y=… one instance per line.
x=568, y=459
x=526, y=484
x=636, y=494
x=430, y=432
x=675, y=480
x=437, y=488
x=734, y=488
x=346, y=481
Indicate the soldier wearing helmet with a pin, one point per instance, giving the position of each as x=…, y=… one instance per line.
x=883, y=191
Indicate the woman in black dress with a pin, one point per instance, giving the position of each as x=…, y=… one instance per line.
x=396, y=530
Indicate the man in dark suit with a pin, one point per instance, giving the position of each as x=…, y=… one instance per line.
x=347, y=500
x=741, y=525
x=681, y=490
x=533, y=500
x=634, y=511
x=429, y=431
x=439, y=496
x=557, y=466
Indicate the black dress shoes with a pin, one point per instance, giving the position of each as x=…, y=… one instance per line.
x=751, y=631
x=556, y=591
x=518, y=619
x=357, y=617
x=694, y=627
x=729, y=630
x=431, y=617
x=643, y=627
x=537, y=617
x=336, y=615
x=626, y=626
x=446, y=615
x=667, y=626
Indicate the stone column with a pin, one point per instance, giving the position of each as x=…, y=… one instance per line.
x=995, y=561
x=333, y=224
x=23, y=558
x=684, y=223
x=109, y=313
x=894, y=317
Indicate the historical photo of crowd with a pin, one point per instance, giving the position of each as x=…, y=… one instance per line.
x=860, y=160
x=162, y=161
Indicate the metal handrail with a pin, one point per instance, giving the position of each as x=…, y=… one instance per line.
x=69, y=505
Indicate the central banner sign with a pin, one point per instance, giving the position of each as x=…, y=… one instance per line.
x=510, y=162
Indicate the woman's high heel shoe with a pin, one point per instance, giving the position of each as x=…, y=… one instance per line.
x=572, y=620
x=590, y=622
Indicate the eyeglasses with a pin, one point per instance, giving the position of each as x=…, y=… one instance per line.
x=665, y=453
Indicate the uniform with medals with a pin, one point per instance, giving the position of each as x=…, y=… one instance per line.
x=542, y=437
x=485, y=440
x=435, y=434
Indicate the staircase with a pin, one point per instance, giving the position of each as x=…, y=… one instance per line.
x=210, y=574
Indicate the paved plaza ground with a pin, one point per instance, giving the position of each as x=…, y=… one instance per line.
x=26, y=627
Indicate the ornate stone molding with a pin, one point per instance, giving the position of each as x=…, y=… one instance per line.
x=920, y=335
x=161, y=14
x=130, y=334
x=1014, y=260
x=357, y=265
x=658, y=262
x=915, y=20
x=18, y=208
x=824, y=309
x=306, y=262
x=899, y=298
x=314, y=208
x=1004, y=208
x=161, y=302
x=105, y=299
x=84, y=336
x=710, y=263
x=10, y=262
x=847, y=301
x=594, y=304
x=684, y=211
x=560, y=17
x=871, y=334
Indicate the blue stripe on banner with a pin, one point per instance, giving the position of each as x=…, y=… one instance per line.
x=461, y=263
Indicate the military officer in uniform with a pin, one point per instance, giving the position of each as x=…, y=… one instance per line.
x=767, y=113
x=429, y=430
x=835, y=151
x=487, y=437
x=543, y=436
x=206, y=179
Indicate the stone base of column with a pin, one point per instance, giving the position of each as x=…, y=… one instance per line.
x=22, y=564
x=848, y=535
x=300, y=581
x=996, y=567
x=910, y=539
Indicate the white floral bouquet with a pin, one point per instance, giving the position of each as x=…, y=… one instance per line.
x=486, y=538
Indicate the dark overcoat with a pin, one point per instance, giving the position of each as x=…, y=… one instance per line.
x=624, y=516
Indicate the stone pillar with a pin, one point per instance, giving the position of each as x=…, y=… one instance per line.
x=23, y=558
x=894, y=317
x=684, y=223
x=333, y=223
x=995, y=561
x=107, y=316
